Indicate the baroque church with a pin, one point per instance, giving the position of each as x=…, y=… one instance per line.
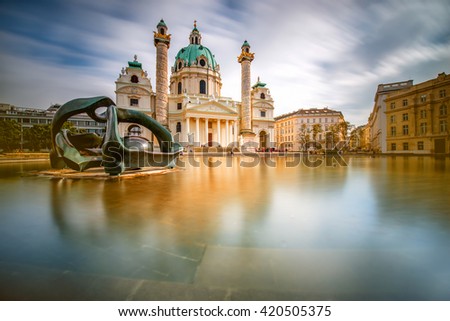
x=190, y=103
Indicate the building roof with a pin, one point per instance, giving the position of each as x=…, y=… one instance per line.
x=310, y=112
x=134, y=64
x=259, y=84
x=191, y=53
x=161, y=24
x=245, y=44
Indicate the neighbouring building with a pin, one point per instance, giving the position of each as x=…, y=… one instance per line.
x=360, y=138
x=418, y=118
x=28, y=117
x=302, y=128
x=189, y=102
x=377, y=119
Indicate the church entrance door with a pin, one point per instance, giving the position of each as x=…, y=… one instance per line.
x=210, y=139
x=262, y=139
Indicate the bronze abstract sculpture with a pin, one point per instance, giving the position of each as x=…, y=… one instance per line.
x=112, y=152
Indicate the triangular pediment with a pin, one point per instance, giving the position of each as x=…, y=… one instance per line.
x=212, y=107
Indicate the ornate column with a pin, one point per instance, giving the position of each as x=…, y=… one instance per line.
x=245, y=59
x=162, y=44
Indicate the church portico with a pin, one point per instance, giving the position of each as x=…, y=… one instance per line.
x=208, y=131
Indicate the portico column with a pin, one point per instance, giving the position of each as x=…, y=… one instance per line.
x=227, y=133
x=187, y=129
x=206, y=131
x=235, y=133
x=218, y=132
x=197, y=131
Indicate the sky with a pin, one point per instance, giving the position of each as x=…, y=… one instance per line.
x=310, y=53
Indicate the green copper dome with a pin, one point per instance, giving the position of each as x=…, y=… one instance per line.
x=161, y=24
x=190, y=54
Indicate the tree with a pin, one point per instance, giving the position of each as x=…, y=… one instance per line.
x=316, y=129
x=303, y=136
x=39, y=136
x=9, y=135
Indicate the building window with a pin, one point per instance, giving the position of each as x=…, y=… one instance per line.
x=161, y=31
x=180, y=65
x=134, y=130
x=443, y=126
x=392, y=119
x=443, y=110
x=202, y=87
x=393, y=146
x=420, y=145
x=405, y=130
x=405, y=146
x=442, y=93
x=393, y=131
x=202, y=62
x=179, y=106
x=423, y=128
x=178, y=130
x=262, y=96
x=134, y=102
x=263, y=113
x=393, y=105
x=423, y=113
x=405, y=117
x=134, y=79
x=423, y=98
x=180, y=88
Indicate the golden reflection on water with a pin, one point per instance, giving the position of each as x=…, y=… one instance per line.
x=197, y=222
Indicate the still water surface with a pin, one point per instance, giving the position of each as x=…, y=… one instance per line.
x=378, y=228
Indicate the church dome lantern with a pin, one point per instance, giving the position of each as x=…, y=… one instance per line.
x=195, y=54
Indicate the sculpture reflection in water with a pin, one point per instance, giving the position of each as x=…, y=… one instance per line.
x=112, y=152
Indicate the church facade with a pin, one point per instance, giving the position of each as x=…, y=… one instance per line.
x=189, y=102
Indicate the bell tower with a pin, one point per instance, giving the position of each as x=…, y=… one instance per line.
x=245, y=59
x=162, y=44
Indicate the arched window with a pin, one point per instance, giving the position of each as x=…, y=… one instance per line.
x=263, y=96
x=161, y=31
x=178, y=127
x=247, y=50
x=202, y=87
x=134, y=130
x=134, y=79
x=180, y=65
x=196, y=40
x=179, y=88
x=202, y=62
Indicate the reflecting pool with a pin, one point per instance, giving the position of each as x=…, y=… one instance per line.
x=376, y=229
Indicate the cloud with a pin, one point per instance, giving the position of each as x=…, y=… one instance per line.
x=311, y=53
